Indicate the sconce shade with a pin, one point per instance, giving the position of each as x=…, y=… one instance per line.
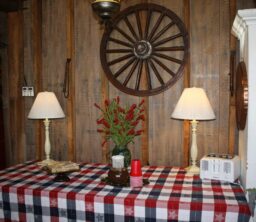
x=193, y=105
x=46, y=106
x=105, y=9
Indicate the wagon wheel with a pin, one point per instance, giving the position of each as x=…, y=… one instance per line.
x=144, y=49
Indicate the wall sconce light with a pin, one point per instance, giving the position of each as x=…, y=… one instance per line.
x=106, y=9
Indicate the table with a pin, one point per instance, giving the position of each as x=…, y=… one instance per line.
x=28, y=194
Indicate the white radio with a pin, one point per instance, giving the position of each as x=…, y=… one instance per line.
x=220, y=167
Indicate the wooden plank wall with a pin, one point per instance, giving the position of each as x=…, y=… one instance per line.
x=15, y=108
x=54, y=30
x=3, y=69
x=210, y=69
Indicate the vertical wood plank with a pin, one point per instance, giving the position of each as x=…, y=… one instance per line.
x=87, y=32
x=224, y=56
x=36, y=8
x=32, y=74
x=165, y=134
x=233, y=132
x=186, y=124
x=4, y=90
x=205, y=67
x=207, y=25
x=30, y=152
x=15, y=79
x=104, y=96
x=145, y=134
x=54, y=43
x=145, y=124
x=70, y=99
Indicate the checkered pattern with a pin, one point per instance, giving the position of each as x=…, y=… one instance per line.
x=29, y=194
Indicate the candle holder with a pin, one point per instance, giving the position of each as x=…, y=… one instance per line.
x=118, y=177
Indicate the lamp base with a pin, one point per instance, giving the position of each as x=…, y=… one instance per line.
x=193, y=169
x=46, y=162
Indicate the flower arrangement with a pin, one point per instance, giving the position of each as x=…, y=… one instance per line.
x=119, y=124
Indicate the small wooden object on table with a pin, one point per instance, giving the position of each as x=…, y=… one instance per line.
x=61, y=169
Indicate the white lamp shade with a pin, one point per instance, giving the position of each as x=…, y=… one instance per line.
x=46, y=106
x=193, y=105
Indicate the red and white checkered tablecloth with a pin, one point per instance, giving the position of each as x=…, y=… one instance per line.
x=29, y=194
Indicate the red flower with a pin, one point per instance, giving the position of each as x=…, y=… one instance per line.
x=99, y=121
x=142, y=117
x=132, y=108
x=100, y=130
x=129, y=116
x=131, y=132
x=106, y=102
x=139, y=132
x=142, y=101
x=135, y=123
x=105, y=123
x=121, y=109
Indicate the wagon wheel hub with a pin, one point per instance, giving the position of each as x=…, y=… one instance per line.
x=142, y=49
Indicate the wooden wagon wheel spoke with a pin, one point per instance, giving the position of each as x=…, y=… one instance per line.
x=161, y=32
x=120, y=42
x=164, y=66
x=149, y=14
x=148, y=75
x=124, y=34
x=158, y=76
x=139, y=24
x=120, y=59
x=131, y=28
x=167, y=40
x=137, y=85
x=174, y=48
x=143, y=54
x=169, y=58
x=118, y=50
x=156, y=26
x=131, y=72
x=124, y=67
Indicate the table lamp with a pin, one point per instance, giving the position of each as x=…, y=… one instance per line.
x=193, y=105
x=46, y=106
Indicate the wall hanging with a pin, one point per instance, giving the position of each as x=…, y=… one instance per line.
x=144, y=49
x=241, y=95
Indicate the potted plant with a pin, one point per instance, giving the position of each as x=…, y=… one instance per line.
x=119, y=124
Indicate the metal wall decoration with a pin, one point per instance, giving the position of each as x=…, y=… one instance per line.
x=144, y=49
x=241, y=95
x=106, y=9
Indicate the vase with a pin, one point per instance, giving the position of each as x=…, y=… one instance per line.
x=124, y=151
